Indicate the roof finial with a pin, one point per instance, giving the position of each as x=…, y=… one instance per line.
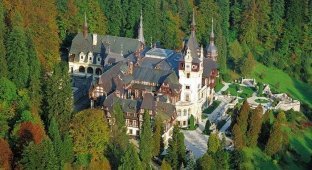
x=85, y=26
x=212, y=33
x=141, y=33
x=193, y=21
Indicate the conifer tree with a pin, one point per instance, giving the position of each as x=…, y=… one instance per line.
x=243, y=117
x=115, y=17
x=255, y=123
x=119, y=138
x=176, y=149
x=207, y=127
x=58, y=88
x=274, y=143
x=145, y=139
x=131, y=12
x=39, y=156
x=277, y=20
x=130, y=160
x=17, y=53
x=3, y=63
x=34, y=76
x=213, y=143
x=157, y=139
x=63, y=148
x=238, y=137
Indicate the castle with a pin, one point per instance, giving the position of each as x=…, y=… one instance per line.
x=174, y=85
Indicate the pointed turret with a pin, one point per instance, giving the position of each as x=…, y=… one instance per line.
x=85, y=27
x=140, y=33
x=212, y=33
x=192, y=45
x=212, y=49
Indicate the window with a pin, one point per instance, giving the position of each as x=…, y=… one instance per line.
x=184, y=123
x=188, y=75
x=135, y=123
x=187, y=87
x=187, y=97
x=81, y=57
x=179, y=112
x=99, y=59
x=130, y=131
x=90, y=58
x=137, y=132
x=184, y=112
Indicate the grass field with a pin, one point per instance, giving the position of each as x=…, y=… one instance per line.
x=282, y=82
x=212, y=107
x=256, y=159
x=246, y=91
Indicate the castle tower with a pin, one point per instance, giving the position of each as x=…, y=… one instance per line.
x=190, y=76
x=211, y=51
x=85, y=27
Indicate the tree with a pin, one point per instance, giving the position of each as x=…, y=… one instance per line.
x=207, y=162
x=6, y=155
x=90, y=133
x=255, y=123
x=63, y=148
x=192, y=122
x=165, y=165
x=191, y=161
x=131, y=12
x=34, y=76
x=238, y=137
x=213, y=143
x=248, y=65
x=176, y=149
x=243, y=117
x=236, y=52
x=3, y=62
x=145, y=138
x=115, y=17
x=39, y=17
x=249, y=25
x=207, y=130
x=130, y=160
x=30, y=132
x=39, y=156
x=274, y=143
x=119, y=138
x=58, y=88
x=16, y=46
x=157, y=139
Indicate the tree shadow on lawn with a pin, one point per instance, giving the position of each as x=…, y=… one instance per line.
x=305, y=90
x=302, y=145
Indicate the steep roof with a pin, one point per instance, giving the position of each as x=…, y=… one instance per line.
x=209, y=65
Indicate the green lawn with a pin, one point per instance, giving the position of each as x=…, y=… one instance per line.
x=302, y=144
x=256, y=159
x=246, y=91
x=261, y=101
x=212, y=107
x=219, y=86
x=282, y=82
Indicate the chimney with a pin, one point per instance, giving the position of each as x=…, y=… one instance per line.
x=130, y=67
x=94, y=39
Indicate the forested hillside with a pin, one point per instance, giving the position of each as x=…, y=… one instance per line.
x=38, y=129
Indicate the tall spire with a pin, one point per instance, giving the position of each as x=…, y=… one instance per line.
x=85, y=26
x=193, y=24
x=141, y=35
x=212, y=33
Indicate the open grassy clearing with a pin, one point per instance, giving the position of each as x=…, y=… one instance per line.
x=282, y=82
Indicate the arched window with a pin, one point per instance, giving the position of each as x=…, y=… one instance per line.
x=90, y=70
x=98, y=71
x=82, y=69
x=179, y=112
